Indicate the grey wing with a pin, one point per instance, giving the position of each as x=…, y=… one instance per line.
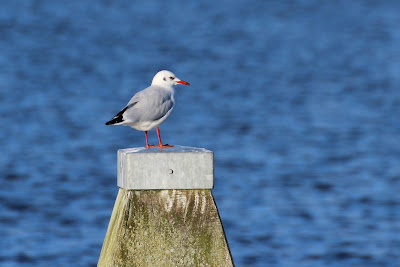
x=149, y=105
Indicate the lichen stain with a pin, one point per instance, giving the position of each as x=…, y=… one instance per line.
x=167, y=199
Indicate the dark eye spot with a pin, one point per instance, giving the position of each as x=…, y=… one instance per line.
x=164, y=79
x=172, y=78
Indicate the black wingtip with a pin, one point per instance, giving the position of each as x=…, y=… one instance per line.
x=115, y=120
x=119, y=117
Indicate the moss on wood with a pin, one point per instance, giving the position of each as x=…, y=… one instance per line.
x=165, y=228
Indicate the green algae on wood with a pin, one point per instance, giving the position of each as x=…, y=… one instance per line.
x=165, y=228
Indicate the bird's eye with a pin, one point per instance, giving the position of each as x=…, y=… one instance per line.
x=164, y=79
x=172, y=78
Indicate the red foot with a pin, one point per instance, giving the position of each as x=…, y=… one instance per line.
x=165, y=145
x=161, y=146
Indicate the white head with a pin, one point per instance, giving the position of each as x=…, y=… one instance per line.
x=166, y=78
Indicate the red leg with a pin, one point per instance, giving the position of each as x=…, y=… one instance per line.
x=159, y=139
x=147, y=141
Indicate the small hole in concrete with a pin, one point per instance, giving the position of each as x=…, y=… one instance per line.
x=171, y=171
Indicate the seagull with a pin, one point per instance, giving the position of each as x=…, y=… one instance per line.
x=150, y=107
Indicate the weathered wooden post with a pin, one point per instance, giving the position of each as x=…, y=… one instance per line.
x=165, y=214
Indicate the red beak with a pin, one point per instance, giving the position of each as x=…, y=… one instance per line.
x=183, y=82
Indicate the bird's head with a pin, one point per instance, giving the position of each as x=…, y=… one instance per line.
x=166, y=78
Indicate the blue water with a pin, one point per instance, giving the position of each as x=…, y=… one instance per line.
x=299, y=100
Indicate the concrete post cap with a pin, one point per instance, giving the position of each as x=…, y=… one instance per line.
x=178, y=167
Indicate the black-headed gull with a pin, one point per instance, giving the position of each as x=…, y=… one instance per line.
x=150, y=107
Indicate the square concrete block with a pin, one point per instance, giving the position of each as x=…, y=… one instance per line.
x=178, y=167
